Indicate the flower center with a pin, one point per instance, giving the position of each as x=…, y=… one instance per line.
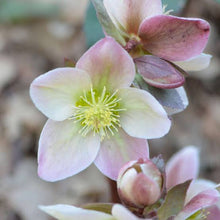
x=98, y=113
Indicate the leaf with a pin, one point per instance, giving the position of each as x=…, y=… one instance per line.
x=92, y=28
x=159, y=73
x=174, y=201
x=102, y=207
x=173, y=100
x=106, y=22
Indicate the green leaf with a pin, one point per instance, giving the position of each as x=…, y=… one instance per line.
x=173, y=100
x=174, y=201
x=102, y=207
x=106, y=22
x=92, y=28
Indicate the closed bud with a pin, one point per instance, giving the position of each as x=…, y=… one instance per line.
x=139, y=183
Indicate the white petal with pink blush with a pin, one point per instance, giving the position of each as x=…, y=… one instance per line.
x=143, y=108
x=55, y=92
x=196, y=63
x=130, y=13
x=68, y=212
x=63, y=152
x=182, y=166
x=118, y=150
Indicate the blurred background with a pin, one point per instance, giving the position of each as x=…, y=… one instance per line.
x=36, y=36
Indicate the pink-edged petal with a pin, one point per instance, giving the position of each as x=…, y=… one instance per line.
x=117, y=150
x=68, y=212
x=182, y=166
x=197, y=63
x=174, y=38
x=63, y=152
x=108, y=64
x=213, y=213
x=202, y=200
x=158, y=72
x=147, y=190
x=55, y=92
x=144, y=117
x=130, y=13
x=198, y=186
x=121, y=213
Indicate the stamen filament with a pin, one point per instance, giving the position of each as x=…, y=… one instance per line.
x=98, y=113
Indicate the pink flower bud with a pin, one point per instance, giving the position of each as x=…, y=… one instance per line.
x=139, y=183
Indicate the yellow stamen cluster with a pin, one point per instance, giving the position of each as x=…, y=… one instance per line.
x=98, y=112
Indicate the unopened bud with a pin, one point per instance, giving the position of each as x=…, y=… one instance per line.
x=139, y=183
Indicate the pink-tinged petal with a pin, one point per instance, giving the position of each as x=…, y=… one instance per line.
x=144, y=117
x=63, y=152
x=121, y=213
x=55, y=92
x=202, y=200
x=174, y=38
x=197, y=63
x=158, y=72
x=117, y=150
x=125, y=167
x=68, y=212
x=182, y=166
x=108, y=64
x=146, y=190
x=130, y=13
x=213, y=213
x=198, y=186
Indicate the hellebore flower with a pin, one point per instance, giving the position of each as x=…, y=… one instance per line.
x=139, y=183
x=149, y=34
x=94, y=116
x=67, y=212
x=184, y=165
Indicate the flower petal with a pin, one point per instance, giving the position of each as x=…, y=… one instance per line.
x=213, y=213
x=197, y=186
x=68, y=212
x=182, y=166
x=174, y=38
x=55, y=92
x=202, y=200
x=121, y=213
x=117, y=150
x=196, y=63
x=108, y=64
x=144, y=116
x=130, y=13
x=158, y=72
x=63, y=152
